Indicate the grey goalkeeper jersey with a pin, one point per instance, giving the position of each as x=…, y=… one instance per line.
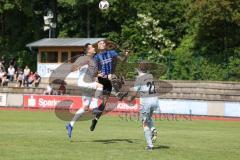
x=145, y=85
x=87, y=68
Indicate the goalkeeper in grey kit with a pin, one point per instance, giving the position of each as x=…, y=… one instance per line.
x=145, y=87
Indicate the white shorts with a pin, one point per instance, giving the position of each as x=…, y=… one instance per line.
x=90, y=85
x=148, y=103
x=88, y=98
x=91, y=102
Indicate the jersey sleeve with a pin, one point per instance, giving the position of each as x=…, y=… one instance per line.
x=96, y=57
x=97, y=62
x=113, y=53
x=80, y=61
x=137, y=85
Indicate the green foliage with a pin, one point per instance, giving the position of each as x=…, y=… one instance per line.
x=27, y=58
x=70, y=2
x=126, y=69
x=145, y=38
x=234, y=65
x=216, y=27
x=183, y=63
x=192, y=40
x=19, y=26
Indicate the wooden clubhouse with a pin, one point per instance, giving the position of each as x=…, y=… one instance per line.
x=52, y=52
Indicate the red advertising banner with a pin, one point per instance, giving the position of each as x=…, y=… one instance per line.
x=51, y=101
x=114, y=105
x=75, y=102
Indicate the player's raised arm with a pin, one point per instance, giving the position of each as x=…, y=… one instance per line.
x=123, y=57
x=81, y=61
x=132, y=96
x=74, y=68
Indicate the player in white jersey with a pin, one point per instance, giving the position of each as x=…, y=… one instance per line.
x=145, y=88
x=86, y=83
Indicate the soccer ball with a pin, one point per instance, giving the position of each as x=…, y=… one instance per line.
x=103, y=5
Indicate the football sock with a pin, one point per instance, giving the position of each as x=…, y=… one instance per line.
x=98, y=93
x=101, y=108
x=148, y=136
x=93, y=125
x=76, y=116
x=94, y=103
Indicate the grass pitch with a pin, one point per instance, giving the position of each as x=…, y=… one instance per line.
x=42, y=136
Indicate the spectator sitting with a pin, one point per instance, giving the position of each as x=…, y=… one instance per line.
x=11, y=73
x=49, y=90
x=18, y=71
x=62, y=89
x=1, y=66
x=1, y=76
x=37, y=79
x=5, y=79
x=3, y=63
x=13, y=62
x=20, y=78
x=26, y=73
x=31, y=78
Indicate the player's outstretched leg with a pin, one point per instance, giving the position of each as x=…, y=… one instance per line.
x=69, y=126
x=154, y=134
x=69, y=129
x=97, y=114
x=151, y=126
x=93, y=125
x=148, y=137
x=146, y=123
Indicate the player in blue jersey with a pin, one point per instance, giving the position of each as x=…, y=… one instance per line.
x=106, y=62
x=144, y=87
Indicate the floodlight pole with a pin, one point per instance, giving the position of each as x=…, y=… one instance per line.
x=49, y=32
x=48, y=23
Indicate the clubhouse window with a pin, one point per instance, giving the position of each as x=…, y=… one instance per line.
x=49, y=57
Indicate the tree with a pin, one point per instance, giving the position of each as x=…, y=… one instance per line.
x=19, y=26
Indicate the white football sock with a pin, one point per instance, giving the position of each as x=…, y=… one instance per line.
x=148, y=136
x=77, y=115
x=94, y=103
